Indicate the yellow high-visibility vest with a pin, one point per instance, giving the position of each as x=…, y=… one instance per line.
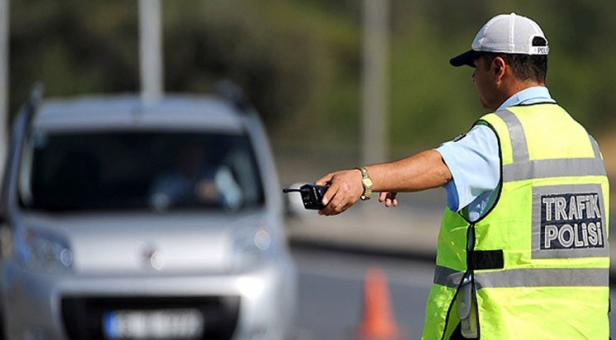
x=536, y=266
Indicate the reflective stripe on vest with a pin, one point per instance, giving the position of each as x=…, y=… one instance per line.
x=531, y=277
x=523, y=168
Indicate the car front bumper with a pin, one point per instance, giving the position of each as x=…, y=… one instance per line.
x=260, y=304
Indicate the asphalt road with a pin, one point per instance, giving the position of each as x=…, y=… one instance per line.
x=332, y=288
x=331, y=293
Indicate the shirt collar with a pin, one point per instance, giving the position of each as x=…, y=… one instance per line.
x=531, y=95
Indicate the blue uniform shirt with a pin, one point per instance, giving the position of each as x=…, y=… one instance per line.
x=473, y=160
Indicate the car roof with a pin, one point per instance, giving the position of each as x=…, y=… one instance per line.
x=130, y=112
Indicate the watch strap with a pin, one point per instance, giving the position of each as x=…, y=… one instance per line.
x=366, y=182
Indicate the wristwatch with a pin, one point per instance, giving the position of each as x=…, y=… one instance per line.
x=366, y=181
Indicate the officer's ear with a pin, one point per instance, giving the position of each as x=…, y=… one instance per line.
x=499, y=65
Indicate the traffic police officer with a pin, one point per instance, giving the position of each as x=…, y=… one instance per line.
x=522, y=250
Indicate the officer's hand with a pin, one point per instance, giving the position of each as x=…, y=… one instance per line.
x=345, y=188
x=389, y=198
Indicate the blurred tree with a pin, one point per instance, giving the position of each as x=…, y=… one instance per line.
x=299, y=60
x=73, y=47
x=432, y=102
x=283, y=53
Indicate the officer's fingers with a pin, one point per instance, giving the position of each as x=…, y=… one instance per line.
x=389, y=198
x=338, y=202
x=382, y=196
x=389, y=202
x=325, y=179
x=331, y=209
x=336, y=207
x=330, y=193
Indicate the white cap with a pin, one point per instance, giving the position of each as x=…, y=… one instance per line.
x=506, y=33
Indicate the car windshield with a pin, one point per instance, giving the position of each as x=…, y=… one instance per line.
x=157, y=170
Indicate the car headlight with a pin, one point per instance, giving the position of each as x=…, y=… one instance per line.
x=250, y=246
x=41, y=252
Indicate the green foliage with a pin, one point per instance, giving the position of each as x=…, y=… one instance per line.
x=73, y=47
x=286, y=54
x=300, y=61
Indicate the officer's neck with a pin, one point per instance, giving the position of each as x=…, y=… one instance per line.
x=511, y=86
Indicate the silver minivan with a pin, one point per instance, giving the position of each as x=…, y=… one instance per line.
x=124, y=219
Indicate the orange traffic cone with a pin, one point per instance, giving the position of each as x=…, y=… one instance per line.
x=378, y=321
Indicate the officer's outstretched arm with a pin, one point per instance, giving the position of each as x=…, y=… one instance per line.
x=422, y=171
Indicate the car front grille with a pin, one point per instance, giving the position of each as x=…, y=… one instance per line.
x=83, y=316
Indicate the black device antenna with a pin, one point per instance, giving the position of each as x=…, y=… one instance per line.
x=285, y=190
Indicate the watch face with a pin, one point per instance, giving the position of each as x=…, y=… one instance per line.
x=367, y=182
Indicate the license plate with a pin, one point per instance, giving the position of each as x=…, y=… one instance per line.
x=153, y=324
